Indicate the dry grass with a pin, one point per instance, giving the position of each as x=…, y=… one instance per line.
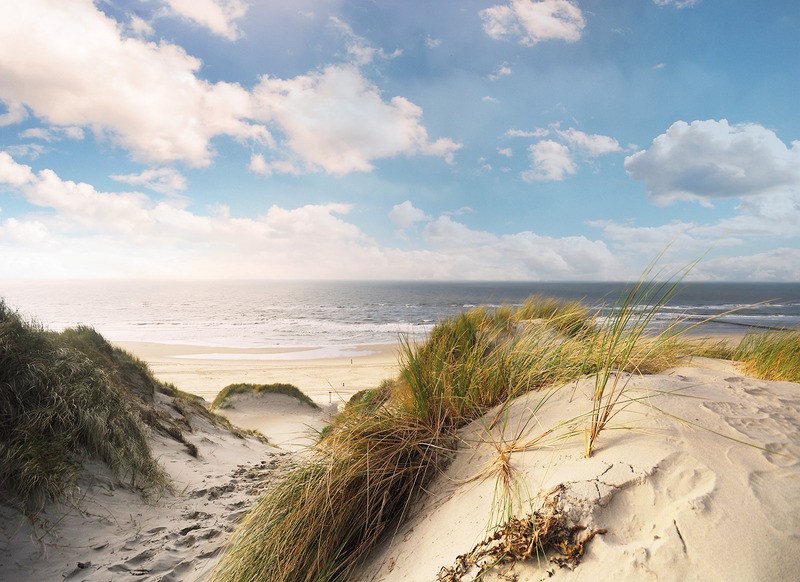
x=57, y=407
x=770, y=356
x=380, y=454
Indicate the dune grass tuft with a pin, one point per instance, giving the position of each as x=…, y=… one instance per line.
x=58, y=407
x=223, y=399
x=770, y=356
x=381, y=453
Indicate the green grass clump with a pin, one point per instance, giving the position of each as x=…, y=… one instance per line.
x=770, y=356
x=322, y=518
x=569, y=317
x=57, y=408
x=223, y=399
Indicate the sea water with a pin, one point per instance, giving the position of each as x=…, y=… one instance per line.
x=255, y=314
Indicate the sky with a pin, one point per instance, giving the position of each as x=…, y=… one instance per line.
x=542, y=140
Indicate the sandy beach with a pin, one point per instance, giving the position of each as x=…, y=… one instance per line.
x=327, y=375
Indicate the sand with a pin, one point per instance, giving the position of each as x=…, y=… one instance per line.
x=678, y=502
x=327, y=375
x=693, y=500
x=108, y=532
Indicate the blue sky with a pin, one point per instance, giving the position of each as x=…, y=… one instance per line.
x=389, y=139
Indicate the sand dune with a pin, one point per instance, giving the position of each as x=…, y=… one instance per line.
x=678, y=502
x=109, y=532
x=284, y=420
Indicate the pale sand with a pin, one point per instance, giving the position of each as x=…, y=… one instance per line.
x=678, y=502
x=326, y=378
x=110, y=533
x=288, y=423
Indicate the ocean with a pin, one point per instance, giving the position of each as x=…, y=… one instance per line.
x=258, y=314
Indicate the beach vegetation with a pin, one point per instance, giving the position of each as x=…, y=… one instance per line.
x=225, y=397
x=770, y=355
x=377, y=457
x=361, y=478
x=58, y=407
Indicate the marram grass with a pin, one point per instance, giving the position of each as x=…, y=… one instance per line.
x=770, y=356
x=58, y=407
x=322, y=518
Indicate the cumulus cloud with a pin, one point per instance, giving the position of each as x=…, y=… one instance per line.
x=780, y=264
x=532, y=21
x=163, y=180
x=219, y=16
x=523, y=255
x=13, y=173
x=707, y=160
x=140, y=27
x=80, y=230
x=593, y=145
x=405, y=215
x=337, y=121
x=550, y=161
x=152, y=101
x=259, y=165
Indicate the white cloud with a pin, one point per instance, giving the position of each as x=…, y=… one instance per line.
x=13, y=173
x=337, y=121
x=163, y=180
x=676, y=3
x=473, y=254
x=550, y=161
x=360, y=51
x=490, y=99
x=37, y=133
x=219, y=16
x=593, y=145
x=27, y=150
x=151, y=102
x=405, y=215
x=259, y=165
x=539, y=132
x=15, y=112
x=502, y=70
x=432, y=43
x=780, y=264
x=53, y=133
x=532, y=21
x=78, y=230
x=140, y=27
x=706, y=160
x=507, y=152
